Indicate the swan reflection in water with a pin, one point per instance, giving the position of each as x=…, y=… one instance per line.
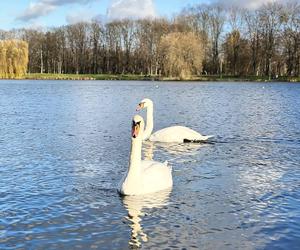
x=179, y=152
x=138, y=207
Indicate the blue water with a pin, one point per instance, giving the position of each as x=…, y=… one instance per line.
x=64, y=147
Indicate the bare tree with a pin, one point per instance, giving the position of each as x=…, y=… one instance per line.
x=216, y=23
x=290, y=37
x=263, y=42
x=270, y=24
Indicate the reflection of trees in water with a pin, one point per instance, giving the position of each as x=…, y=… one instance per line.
x=136, y=207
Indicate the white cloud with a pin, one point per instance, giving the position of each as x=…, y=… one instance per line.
x=248, y=4
x=35, y=10
x=44, y=7
x=35, y=25
x=83, y=16
x=134, y=9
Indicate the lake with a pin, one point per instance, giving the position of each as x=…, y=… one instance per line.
x=64, y=147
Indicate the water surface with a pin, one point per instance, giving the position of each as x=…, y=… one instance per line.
x=64, y=147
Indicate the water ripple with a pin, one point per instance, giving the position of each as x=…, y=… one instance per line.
x=64, y=147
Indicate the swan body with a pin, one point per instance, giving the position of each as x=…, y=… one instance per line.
x=153, y=177
x=177, y=134
x=143, y=177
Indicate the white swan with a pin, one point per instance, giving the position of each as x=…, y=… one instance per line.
x=143, y=177
x=178, y=134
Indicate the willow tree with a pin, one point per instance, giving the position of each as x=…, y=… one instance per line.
x=2, y=60
x=13, y=58
x=182, y=54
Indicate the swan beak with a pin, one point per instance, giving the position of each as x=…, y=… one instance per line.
x=135, y=130
x=140, y=106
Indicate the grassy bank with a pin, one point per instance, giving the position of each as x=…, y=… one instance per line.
x=217, y=78
x=38, y=76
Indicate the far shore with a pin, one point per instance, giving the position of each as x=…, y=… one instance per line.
x=138, y=77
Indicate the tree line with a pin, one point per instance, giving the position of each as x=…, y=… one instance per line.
x=201, y=39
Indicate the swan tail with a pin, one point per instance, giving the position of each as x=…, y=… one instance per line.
x=202, y=139
x=168, y=165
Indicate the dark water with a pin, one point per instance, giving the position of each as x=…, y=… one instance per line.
x=64, y=147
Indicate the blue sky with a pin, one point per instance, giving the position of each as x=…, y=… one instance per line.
x=12, y=11
x=53, y=13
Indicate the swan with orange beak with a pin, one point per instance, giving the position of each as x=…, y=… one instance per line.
x=143, y=176
x=176, y=134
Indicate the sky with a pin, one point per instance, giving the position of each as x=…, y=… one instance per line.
x=54, y=13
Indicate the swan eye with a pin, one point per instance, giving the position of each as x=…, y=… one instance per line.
x=136, y=123
x=140, y=106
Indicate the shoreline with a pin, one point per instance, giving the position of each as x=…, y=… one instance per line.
x=132, y=77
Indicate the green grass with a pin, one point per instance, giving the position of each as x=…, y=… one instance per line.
x=226, y=78
x=39, y=76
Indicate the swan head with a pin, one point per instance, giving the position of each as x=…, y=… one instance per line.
x=145, y=103
x=137, y=127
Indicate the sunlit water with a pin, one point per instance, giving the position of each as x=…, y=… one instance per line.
x=64, y=147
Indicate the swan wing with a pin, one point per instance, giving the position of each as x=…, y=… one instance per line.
x=178, y=134
x=156, y=176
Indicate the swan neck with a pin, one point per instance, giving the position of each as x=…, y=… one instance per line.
x=135, y=156
x=149, y=125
